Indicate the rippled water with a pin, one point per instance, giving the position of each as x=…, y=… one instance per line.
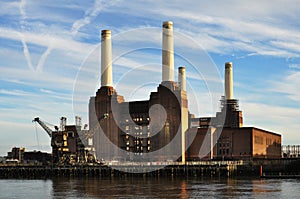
x=131, y=187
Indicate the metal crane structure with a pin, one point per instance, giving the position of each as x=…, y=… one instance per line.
x=68, y=143
x=44, y=126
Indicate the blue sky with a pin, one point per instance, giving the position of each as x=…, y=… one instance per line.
x=49, y=59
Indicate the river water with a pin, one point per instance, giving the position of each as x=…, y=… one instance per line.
x=131, y=187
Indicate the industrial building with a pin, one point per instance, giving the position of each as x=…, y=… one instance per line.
x=245, y=143
x=70, y=144
x=119, y=126
x=134, y=127
x=224, y=137
x=18, y=155
x=161, y=127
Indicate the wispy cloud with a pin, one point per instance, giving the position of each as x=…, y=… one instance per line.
x=13, y=92
x=42, y=53
x=289, y=85
x=257, y=28
x=294, y=66
x=49, y=41
x=90, y=14
x=280, y=119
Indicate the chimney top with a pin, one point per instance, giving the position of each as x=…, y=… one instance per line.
x=167, y=24
x=228, y=64
x=105, y=33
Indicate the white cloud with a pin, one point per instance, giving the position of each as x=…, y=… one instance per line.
x=258, y=26
x=90, y=14
x=46, y=40
x=13, y=92
x=246, y=28
x=294, y=66
x=289, y=85
x=274, y=118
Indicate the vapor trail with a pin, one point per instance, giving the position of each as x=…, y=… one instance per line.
x=24, y=44
x=90, y=14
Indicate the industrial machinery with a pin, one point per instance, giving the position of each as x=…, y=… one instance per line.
x=70, y=145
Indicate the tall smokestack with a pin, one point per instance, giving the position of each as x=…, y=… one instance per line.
x=228, y=81
x=167, y=52
x=106, y=61
x=182, y=78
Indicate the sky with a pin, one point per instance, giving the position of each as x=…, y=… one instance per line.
x=50, y=59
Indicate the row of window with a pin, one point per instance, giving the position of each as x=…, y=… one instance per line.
x=137, y=142
x=269, y=141
x=224, y=152
x=140, y=149
x=224, y=144
x=139, y=119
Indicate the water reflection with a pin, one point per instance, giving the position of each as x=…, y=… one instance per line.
x=130, y=187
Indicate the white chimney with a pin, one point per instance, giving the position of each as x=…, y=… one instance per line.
x=228, y=81
x=106, y=60
x=182, y=78
x=167, y=52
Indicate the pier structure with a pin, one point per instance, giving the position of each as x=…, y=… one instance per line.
x=175, y=169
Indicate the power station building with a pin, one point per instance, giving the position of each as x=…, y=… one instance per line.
x=224, y=137
x=140, y=128
x=161, y=128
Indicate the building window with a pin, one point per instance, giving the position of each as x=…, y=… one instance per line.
x=90, y=141
x=65, y=136
x=258, y=139
x=70, y=134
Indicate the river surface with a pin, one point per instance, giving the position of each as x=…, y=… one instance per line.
x=132, y=187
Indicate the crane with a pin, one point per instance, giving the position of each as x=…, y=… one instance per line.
x=68, y=149
x=44, y=126
x=55, y=141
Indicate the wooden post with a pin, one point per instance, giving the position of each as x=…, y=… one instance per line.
x=261, y=171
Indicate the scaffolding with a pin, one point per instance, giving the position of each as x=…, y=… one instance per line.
x=290, y=151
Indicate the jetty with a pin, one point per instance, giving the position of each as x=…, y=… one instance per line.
x=149, y=169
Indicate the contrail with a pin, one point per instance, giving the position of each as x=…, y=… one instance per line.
x=26, y=52
x=22, y=22
x=43, y=59
x=89, y=15
x=25, y=47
